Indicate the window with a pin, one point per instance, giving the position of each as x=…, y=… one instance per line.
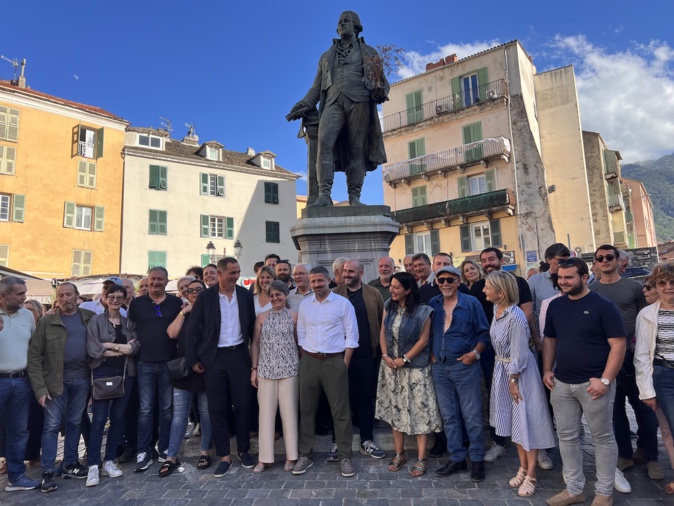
x=273, y=231
x=219, y=227
x=81, y=265
x=12, y=207
x=266, y=162
x=149, y=141
x=213, y=185
x=9, y=124
x=158, y=177
x=416, y=149
x=87, y=142
x=83, y=217
x=157, y=222
x=475, y=185
x=86, y=174
x=271, y=193
x=473, y=88
x=212, y=153
x=415, y=107
x=156, y=259
x=4, y=255
x=478, y=236
x=419, y=196
x=423, y=242
x=7, y=160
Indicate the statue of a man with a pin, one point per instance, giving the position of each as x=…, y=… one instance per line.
x=349, y=84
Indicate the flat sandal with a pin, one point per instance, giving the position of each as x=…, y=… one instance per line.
x=397, y=462
x=527, y=488
x=517, y=481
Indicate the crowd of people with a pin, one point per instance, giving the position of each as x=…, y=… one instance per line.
x=305, y=346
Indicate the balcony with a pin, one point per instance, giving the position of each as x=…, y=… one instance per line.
x=484, y=203
x=611, y=166
x=450, y=159
x=446, y=105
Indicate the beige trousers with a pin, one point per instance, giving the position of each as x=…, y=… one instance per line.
x=284, y=394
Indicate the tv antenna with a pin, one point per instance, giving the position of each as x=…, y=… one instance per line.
x=166, y=123
x=190, y=129
x=14, y=63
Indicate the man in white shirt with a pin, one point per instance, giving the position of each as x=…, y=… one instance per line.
x=327, y=333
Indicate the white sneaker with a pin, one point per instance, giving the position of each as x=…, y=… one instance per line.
x=544, y=461
x=197, y=430
x=620, y=483
x=92, y=476
x=190, y=431
x=494, y=453
x=111, y=469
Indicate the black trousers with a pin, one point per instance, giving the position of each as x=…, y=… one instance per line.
x=362, y=391
x=228, y=383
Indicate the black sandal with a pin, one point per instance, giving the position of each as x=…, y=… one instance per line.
x=168, y=468
x=204, y=462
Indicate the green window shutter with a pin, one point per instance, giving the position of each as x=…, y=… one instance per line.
x=472, y=132
x=204, y=183
x=467, y=134
x=162, y=222
x=205, y=225
x=490, y=179
x=156, y=259
x=69, y=215
x=435, y=242
x=273, y=231
x=19, y=208
x=419, y=196
x=495, y=230
x=91, y=175
x=82, y=173
x=99, y=143
x=221, y=186
x=465, y=238
x=152, y=228
x=229, y=228
x=154, y=176
x=163, y=178
x=457, y=103
x=99, y=217
x=205, y=260
x=463, y=186
x=482, y=83
x=415, y=107
x=409, y=244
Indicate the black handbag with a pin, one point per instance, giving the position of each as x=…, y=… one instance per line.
x=108, y=388
x=178, y=369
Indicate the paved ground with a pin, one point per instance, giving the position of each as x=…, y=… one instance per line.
x=323, y=485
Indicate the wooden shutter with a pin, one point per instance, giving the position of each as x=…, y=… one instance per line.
x=435, y=242
x=7, y=159
x=495, y=230
x=19, y=205
x=463, y=186
x=76, y=268
x=11, y=129
x=69, y=215
x=154, y=176
x=163, y=178
x=162, y=222
x=99, y=218
x=91, y=175
x=152, y=229
x=4, y=122
x=490, y=179
x=99, y=143
x=74, y=141
x=205, y=260
x=482, y=82
x=465, y=238
x=205, y=219
x=221, y=186
x=419, y=196
x=4, y=255
x=472, y=132
x=409, y=244
x=204, y=183
x=229, y=228
x=87, y=260
x=82, y=173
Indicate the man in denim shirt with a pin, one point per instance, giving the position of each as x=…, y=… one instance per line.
x=459, y=333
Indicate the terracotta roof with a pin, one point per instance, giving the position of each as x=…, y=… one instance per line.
x=8, y=86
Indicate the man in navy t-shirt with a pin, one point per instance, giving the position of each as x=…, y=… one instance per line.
x=585, y=334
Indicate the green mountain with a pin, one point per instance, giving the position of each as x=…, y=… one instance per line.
x=658, y=178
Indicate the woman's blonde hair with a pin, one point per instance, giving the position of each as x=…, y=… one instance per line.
x=506, y=283
x=480, y=271
x=268, y=270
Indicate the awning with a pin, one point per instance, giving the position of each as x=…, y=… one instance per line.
x=40, y=290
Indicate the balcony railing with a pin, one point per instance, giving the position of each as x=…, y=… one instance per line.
x=435, y=163
x=441, y=106
x=85, y=149
x=466, y=206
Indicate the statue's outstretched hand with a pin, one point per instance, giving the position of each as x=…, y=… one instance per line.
x=299, y=110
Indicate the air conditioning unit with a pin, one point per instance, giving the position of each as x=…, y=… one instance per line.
x=491, y=94
x=442, y=108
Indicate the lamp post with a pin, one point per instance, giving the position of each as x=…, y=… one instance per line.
x=210, y=248
x=238, y=249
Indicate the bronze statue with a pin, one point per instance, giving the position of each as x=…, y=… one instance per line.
x=349, y=84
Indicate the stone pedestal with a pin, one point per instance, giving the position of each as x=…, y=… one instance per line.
x=323, y=234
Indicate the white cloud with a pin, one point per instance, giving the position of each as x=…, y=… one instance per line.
x=415, y=62
x=627, y=96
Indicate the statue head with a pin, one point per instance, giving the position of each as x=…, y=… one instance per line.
x=355, y=20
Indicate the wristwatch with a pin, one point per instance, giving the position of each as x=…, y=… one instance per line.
x=477, y=354
x=605, y=381
x=513, y=380
x=405, y=359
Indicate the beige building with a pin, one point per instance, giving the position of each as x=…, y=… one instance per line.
x=180, y=197
x=641, y=214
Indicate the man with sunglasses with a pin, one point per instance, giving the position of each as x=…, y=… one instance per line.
x=150, y=315
x=627, y=294
x=460, y=333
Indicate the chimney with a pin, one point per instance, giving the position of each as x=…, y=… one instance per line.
x=452, y=58
x=21, y=82
x=191, y=139
x=432, y=65
x=250, y=152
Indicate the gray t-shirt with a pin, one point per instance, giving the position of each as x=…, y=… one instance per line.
x=75, y=364
x=628, y=295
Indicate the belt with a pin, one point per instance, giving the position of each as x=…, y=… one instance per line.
x=231, y=348
x=322, y=356
x=11, y=375
x=503, y=359
x=663, y=363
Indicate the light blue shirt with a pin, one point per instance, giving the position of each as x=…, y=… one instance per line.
x=14, y=338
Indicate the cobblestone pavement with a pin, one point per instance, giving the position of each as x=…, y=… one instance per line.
x=322, y=485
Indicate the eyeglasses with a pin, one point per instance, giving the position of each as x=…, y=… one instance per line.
x=660, y=283
x=609, y=258
x=116, y=297
x=442, y=281
x=194, y=290
x=157, y=310
x=648, y=288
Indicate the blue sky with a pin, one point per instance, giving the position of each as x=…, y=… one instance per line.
x=234, y=69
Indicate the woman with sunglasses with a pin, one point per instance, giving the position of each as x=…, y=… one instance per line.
x=405, y=393
x=183, y=389
x=111, y=347
x=654, y=351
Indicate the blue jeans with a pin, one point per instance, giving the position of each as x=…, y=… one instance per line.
x=15, y=397
x=459, y=392
x=153, y=378
x=663, y=381
x=100, y=409
x=71, y=404
x=182, y=402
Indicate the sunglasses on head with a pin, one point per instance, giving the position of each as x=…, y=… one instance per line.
x=442, y=281
x=609, y=258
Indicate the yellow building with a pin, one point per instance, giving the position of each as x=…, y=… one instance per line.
x=61, y=174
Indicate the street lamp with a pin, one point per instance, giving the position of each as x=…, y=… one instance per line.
x=210, y=248
x=238, y=249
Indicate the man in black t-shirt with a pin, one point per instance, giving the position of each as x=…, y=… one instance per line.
x=150, y=315
x=585, y=335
